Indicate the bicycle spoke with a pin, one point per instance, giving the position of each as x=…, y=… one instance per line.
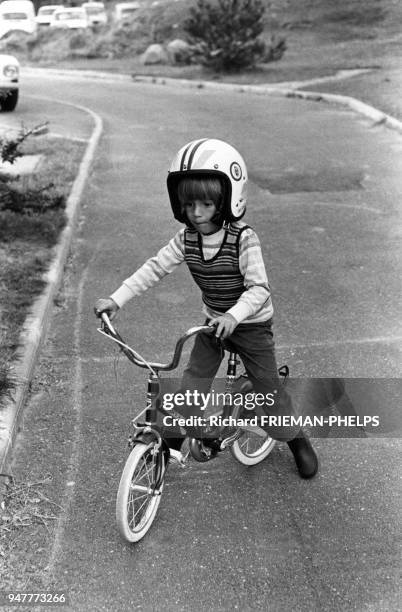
x=244, y=445
x=137, y=497
x=131, y=507
x=146, y=471
x=136, y=513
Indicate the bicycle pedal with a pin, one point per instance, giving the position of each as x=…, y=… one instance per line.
x=177, y=458
x=204, y=450
x=212, y=445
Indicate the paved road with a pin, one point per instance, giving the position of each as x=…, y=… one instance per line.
x=324, y=197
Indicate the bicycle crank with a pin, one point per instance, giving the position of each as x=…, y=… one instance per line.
x=201, y=452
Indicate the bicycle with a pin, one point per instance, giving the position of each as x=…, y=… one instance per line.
x=141, y=484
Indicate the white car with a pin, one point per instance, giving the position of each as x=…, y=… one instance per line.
x=96, y=12
x=125, y=11
x=9, y=82
x=70, y=18
x=17, y=16
x=45, y=14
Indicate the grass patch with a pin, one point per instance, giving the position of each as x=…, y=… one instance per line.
x=32, y=216
x=25, y=510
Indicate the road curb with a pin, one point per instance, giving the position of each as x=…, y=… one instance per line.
x=377, y=116
x=37, y=323
x=84, y=74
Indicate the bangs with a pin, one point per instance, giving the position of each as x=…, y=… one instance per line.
x=200, y=188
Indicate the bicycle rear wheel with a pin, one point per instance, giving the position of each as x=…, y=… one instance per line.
x=253, y=446
x=137, y=497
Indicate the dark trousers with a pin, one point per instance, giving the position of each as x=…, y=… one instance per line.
x=254, y=344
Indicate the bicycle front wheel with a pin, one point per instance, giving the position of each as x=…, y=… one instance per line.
x=138, y=498
x=253, y=446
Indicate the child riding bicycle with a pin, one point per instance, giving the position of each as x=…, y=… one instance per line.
x=207, y=186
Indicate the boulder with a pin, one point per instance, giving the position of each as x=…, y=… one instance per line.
x=179, y=51
x=155, y=54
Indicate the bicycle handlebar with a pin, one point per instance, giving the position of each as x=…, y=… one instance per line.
x=109, y=331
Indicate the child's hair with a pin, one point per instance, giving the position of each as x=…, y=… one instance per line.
x=193, y=188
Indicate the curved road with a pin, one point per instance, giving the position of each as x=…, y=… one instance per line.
x=324, y=198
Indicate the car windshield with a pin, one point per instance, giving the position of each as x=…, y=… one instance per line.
x=128, y=11
x=46, y=11
x=67, y=16
x=15, y=16
x=94, y=10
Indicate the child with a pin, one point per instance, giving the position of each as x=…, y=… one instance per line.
x=207, y=186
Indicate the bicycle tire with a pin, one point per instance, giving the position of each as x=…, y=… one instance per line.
x=137, y=500
x=252, y=447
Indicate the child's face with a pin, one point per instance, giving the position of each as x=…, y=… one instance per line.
x=200, y=213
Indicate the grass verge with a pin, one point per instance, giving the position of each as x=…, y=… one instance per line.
x=32, y=216
x=25, y=509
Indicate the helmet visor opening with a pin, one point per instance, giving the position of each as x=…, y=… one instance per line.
x=198, y=184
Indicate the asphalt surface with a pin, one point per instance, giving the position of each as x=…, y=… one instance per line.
x=324, y=199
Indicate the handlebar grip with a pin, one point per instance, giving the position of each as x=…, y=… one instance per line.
x=106, y=321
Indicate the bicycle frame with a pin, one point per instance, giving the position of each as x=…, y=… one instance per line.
x=154, y=368
x=142, y=430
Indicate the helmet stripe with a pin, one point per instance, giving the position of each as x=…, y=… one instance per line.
x=184, y=156
x=196, y=146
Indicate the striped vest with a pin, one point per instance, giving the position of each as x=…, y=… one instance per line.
x=219, y=278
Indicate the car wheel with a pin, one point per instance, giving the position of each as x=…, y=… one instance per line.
x=9, y=101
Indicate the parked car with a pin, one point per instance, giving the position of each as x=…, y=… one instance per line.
x=9, y=82
x=17, y=16
x=96, y=12
x=124, y=11
x=45, y=14
x=70, y=18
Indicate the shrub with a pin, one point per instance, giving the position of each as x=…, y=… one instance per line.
x=275, y=49
x=227, y=33
x=10, y=148
x=118, y=41
x=163, y=21
x=78, y=40
x=42, y=207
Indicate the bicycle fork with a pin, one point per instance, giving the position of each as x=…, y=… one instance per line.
x=147, y=433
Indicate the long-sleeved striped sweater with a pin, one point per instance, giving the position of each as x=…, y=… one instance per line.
x=253, y=305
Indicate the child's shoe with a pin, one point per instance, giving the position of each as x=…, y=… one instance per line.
x=304, y=456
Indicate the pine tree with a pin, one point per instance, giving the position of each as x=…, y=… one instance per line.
x=227, y=33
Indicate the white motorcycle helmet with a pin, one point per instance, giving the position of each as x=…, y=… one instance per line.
x=211, y=157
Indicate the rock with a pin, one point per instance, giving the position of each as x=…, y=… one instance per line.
x=179, y=51
x=155, y=54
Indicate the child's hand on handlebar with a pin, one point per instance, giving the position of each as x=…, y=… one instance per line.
x=225, y=325
x=106, y=305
